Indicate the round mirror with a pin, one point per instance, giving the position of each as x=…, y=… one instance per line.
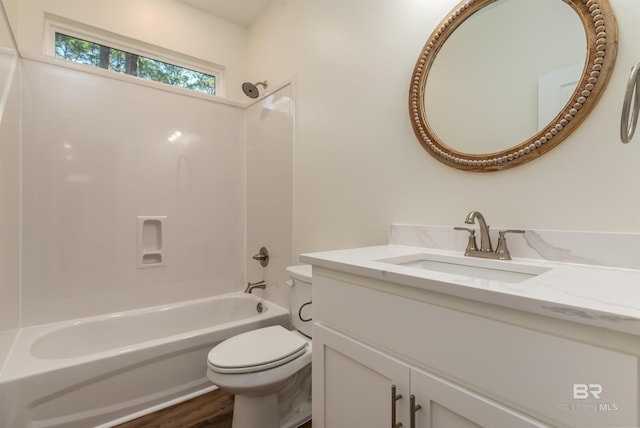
x=512, y=82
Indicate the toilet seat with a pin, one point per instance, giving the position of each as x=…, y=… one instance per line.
x=256, y=350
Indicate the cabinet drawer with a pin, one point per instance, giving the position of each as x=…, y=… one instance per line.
x=570, y=382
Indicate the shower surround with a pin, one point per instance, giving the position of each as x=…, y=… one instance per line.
x=97, y=153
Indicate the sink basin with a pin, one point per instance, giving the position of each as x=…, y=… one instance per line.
x=495, y=270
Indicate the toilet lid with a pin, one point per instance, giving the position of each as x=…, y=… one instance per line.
x=256, y=350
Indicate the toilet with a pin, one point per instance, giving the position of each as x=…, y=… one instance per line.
x=269, y=369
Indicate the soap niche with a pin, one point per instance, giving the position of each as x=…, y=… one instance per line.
x=151, y=241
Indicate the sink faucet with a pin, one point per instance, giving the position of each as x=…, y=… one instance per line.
x=485, y=239
x=486, y=250
x=253, y=285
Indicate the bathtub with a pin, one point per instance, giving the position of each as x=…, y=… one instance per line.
x=105, y=370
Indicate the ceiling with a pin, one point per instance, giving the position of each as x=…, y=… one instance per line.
x=241, y=12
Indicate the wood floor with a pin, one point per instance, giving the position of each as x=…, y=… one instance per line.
x=212, y=410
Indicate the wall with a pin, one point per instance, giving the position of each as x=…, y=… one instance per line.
x=9, y=187
x=269, y=126
x=97, y=153
x=166, y=23
x=359, y=167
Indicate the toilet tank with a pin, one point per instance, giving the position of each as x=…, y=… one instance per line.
x=300, y=304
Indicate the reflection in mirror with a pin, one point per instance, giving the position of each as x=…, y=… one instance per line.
x=494, y=62
x=6, y=37
x=8, y=58
x=499, y=83
x=6, y=41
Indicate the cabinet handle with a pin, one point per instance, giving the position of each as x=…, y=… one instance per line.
x=394, y=397
x=413, y=408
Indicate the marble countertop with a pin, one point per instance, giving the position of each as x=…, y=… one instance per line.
x=606, y=297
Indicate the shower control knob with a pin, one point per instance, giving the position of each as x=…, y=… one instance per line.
x=262, y=257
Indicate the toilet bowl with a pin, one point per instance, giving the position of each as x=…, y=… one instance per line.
x=269, y=369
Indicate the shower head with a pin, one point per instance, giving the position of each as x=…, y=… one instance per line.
x=251, y=90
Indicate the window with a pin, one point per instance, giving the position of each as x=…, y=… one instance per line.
x=107, y=53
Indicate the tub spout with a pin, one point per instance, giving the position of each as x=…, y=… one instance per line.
x=253, y=285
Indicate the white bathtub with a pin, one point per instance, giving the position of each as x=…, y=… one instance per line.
x=104, y=370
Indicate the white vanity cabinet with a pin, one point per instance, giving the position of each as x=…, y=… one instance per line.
x=467, y=364
x=364, y=387
x=356, y=383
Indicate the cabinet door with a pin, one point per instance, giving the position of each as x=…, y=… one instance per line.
x=447, y=405
x=352, y=383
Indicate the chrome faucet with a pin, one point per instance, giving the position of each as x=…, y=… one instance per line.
x=486, y=250
x=253, y=285
x=485, y=239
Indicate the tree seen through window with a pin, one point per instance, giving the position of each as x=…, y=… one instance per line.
x=96, y=55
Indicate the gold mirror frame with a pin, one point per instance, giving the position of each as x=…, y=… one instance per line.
x=602, y=39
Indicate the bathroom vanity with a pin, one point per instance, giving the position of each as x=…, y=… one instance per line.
x=423, y=337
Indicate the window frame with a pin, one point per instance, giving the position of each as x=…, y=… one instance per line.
x=55, y=24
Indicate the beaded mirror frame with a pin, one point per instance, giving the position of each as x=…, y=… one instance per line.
x=602, y=38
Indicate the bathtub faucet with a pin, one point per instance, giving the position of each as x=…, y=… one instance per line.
x=252, y=285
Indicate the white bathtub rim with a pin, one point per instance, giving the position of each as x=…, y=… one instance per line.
x=139, y=311
x=72, y=371
x=27, y=365
x=139, y=315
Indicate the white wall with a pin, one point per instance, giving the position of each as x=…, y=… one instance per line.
x=358, y=165
x=11, y=11
x=269, y=126
x=9, y=187
x=97, y=154
x=169, y=24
